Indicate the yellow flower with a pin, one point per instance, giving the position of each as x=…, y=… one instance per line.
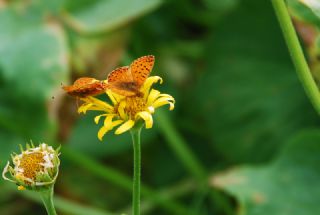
x=125, y=112
x=34, y=168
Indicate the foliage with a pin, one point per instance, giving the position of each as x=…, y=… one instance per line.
x=282, y=186
x=239, y=105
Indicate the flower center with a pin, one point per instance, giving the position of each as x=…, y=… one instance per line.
x=32, y=164
x=134, y=105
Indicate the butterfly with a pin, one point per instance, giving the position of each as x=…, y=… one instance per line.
x=127, y=80
x=86, y=86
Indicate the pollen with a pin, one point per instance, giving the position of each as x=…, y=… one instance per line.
x=31, y=164
x=134, y=105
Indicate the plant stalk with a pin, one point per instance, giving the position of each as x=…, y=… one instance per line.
x=47, y=199
x=296, y=53
x=189, y=159
x=108, y=174
x=135, y=134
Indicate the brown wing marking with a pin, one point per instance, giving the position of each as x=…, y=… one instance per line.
x=141, y=68
x=121, y=74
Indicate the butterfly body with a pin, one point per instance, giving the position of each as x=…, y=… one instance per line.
x=128, y=80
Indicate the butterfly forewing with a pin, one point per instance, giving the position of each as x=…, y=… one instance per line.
x=141, y=68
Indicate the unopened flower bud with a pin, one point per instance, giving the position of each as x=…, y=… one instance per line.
x=35, y=168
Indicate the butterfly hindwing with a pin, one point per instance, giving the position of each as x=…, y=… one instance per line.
x=121, y=82
x=85, y=86
x=127, y=81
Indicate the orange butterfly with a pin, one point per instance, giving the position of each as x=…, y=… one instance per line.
x=86, y=86
x=127, y=80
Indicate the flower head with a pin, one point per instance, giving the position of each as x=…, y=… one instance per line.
x=34, y=168
x=126, y=111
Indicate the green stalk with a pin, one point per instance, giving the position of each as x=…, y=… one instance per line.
x=179, y=146
x=296, y=53
x=47, y=199
x=116, y=178
x=135, y=134
x=189, y=159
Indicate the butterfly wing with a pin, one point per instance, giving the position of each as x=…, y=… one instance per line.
x=140, y=69
x=85, y=86
x=121, y=82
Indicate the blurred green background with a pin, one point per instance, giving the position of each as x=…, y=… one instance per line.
x=243, y=138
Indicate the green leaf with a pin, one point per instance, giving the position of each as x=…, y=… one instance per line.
x=250, y=98
x=33, y=63
x=314, y=5
x=288, y=185
x=302, y=12
x=102, y=16
x=99, y=54
x=9, y=144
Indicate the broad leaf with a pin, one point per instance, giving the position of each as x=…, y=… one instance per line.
x=105, y=15
x=302, y=12
x=288, y=185
x=33, y=63
x=314, y=5
x=250, y=99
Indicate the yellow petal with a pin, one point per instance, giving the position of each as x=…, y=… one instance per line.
x=153, y=95
x=166, y=95
x=163, y=101
x=121, y=109
x=98, y=103
x=108, y=125
x=147, y=117
x=125, y=127
x=115, y=98
x=21, y=187
x=148, y=83
x=118, y=97
x=171, y=106
x=102, y=131
x=99, y=109
x=83, y=108
x=108, y=119
x=97, y=118
x=116, y=123
x=112, y=98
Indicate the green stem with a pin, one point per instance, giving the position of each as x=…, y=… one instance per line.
x=135, y=134
x=116, y=178
x=65, y=205
x=47, y=199
x=296, y=53
x=179, y=146
x=189, y=159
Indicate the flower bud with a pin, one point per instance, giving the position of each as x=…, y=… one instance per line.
x=35, y=168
